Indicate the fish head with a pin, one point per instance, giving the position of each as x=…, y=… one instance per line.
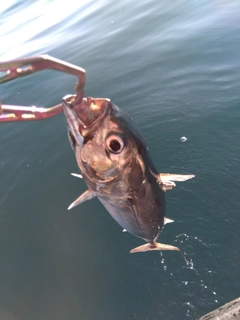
x=102, y=138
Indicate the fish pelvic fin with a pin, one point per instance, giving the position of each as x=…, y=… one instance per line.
x=166, y=180
x=76, y=175
x=152, y=247
x=87, y=195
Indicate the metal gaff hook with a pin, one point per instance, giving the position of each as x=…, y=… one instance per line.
x=13, y=69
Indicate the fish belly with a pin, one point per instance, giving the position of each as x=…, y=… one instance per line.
x=138, y=218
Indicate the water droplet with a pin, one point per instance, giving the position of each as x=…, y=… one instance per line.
x=189, y=310
x=183, y=139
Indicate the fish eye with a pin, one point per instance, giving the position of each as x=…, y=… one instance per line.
x=115, y=144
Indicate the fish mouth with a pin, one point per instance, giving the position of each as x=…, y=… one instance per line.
x=83, y=117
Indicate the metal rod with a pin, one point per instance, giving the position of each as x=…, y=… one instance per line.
x=13, y=69
x=21, y=113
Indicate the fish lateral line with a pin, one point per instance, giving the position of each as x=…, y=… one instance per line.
x=166, y=220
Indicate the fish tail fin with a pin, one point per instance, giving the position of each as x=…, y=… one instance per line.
x=155, y=246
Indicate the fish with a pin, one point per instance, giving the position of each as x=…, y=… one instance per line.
x=116, y=166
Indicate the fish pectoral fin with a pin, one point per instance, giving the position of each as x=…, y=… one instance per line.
x=166, y=180
x=152, y=247
x=165, y=177
x=87, y=195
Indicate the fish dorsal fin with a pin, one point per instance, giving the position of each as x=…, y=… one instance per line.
x=87, y=195
x=166, y=180
x=167, y=220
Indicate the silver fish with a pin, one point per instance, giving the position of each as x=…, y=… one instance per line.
x=117, y=168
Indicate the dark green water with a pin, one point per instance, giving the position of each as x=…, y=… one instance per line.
x=174, y=67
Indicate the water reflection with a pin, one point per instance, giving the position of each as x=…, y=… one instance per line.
x=38, y=26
